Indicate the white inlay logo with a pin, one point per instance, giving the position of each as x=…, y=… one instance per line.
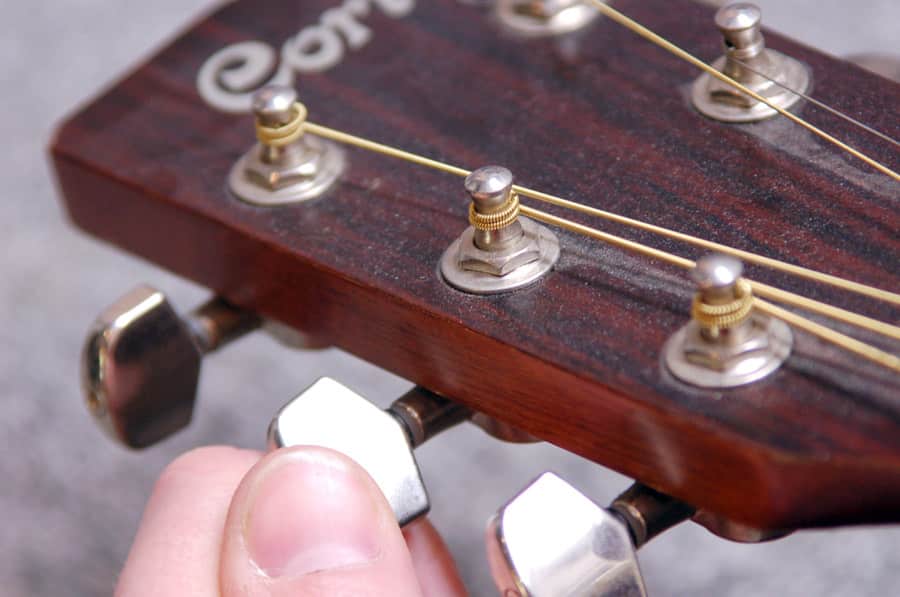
x=229, y=77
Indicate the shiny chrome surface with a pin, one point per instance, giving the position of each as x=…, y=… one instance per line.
x=463, y=263
x=140, y=366
x=715, y=276
x=551, y=541
x=538, y=18
x=746, y=60
x=141, y=362
x=330, y=415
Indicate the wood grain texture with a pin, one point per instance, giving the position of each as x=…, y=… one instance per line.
x=601, y=118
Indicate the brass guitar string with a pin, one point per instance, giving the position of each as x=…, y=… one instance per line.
x=649, y=35
x=853, y=345
x=790, y=298
x=820, y=104
x=799, y=271
x=867, y=351
x=803, y=272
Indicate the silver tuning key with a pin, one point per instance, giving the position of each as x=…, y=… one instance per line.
x=551, y=540
x=141, y=362
x=330, y=415
x=779, y=79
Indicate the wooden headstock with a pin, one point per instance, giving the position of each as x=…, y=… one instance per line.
x=601, y=117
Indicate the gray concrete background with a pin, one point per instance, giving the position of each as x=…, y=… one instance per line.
x=70, y=501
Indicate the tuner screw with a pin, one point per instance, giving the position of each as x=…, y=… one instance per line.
x=500, y=251
x=273, y=105
x=716, y=277
x=726, y=343
x=286, y=165
x=141, y=362
x=740, y=26
x=766, y=72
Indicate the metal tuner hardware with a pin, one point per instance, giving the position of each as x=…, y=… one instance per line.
x=540, y=18
x=551, y=540
x=771, y=74
x=330, y=415
x=286, y=165
x=501, y=250
x=726, y=343
x=141, y=362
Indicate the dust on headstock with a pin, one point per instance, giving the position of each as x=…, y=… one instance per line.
x=601, y=117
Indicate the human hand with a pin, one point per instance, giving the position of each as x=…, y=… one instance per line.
x=303, y=521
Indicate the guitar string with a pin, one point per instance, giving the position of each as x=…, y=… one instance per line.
x=802, y=272
x=649, y=35
x=821, y=104
x=848, y=343
x=784, y=296
x=867, y=351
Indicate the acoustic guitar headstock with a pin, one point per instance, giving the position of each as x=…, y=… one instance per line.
x=545, y=326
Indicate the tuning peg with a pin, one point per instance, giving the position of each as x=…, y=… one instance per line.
x=331, y=415
x=780, y=79
x=540, y=18
x=141, y=362
x=551, y=540
x=286, y=165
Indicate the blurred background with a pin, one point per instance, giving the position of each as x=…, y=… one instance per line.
x=70, y=500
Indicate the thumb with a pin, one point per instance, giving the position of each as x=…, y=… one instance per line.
x=309, y=521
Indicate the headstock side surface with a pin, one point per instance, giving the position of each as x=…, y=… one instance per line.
x=600, y=118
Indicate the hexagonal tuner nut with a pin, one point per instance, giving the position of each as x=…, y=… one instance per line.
x=140, y=367
x=331, y=415
x=551, y=540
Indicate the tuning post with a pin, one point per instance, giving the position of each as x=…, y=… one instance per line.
x=767, y=72
x=141, y=362
x=538, y=18
x=330, y=415
x=286, y=165
x=726, y=343
x=552, y=540
x=501, y=250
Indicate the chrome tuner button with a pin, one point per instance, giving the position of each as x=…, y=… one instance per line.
x=501, y=250
x=771, y=74
x=141, y=363
x=716, y=277
x=551, y=540
x=274, y=105
x=286, y=165
x=726, y=343
x=331, y=415
x=541, y=18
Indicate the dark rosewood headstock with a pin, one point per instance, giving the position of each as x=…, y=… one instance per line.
x=602, y=118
